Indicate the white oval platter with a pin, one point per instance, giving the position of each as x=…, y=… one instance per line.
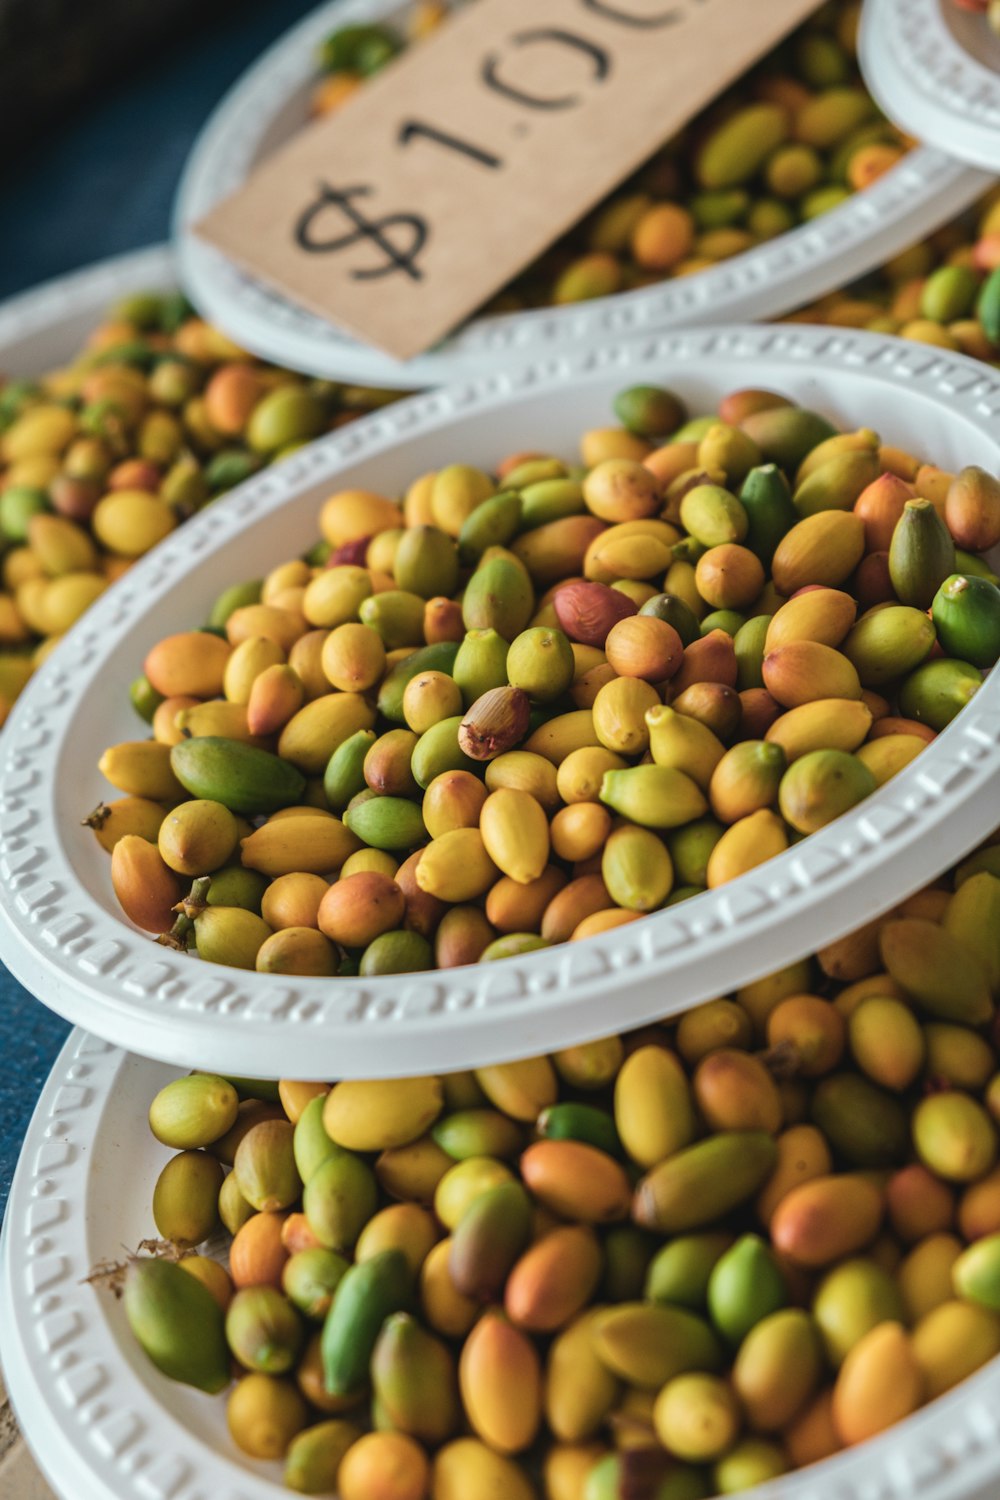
x=105, y=1425
x=935, y=69
x=63, y=935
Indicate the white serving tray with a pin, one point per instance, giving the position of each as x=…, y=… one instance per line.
x=61, y=931
x=270, y=103
x=935, y=69
x=43, y=328
x=105, y=1425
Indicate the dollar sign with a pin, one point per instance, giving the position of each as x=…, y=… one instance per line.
x=376, y=231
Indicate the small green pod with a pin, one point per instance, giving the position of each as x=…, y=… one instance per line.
x=263, y=1330
x=426, y=562
x=837, y=483
x=972, y=917
x=570, y=1121
x=240, y=776
x=315, y=1455
x=681, y=1271
x=745, y=1286
x=637, y=869
x=494, y=523
x=339, y=1198
x=732, y=153
x=949, y=293
x=400, y=952
x=533, y=471
x=186, y=1198
x=541, y=663
x=499, y=597
x=510, y=944
x=481, y=664
x=820, y=786
x=235, y=886
x=966, y=614
x=438, y=750
x=653, y=796
x=866, y=1125
x=748, y=643
x=690, y=848
x=704, y=1182
x=366, y=1296
x=310, y=1144
x=414, y=1380
x=397, y=615
x=344, y=776
x=478, y=1132
x=178, y=1323
x=144, y=698
x=230, y=935
x=988, y=306
x=309, y=1279
x=850, y=1301
x=550, y=500
x=972, y=566
x=628, y=1252
x=439, y=657
x=938, y=690
x=234, y=1210
x=264, y=1166
x=387, y=822
x=785, y=434
x=713, y=516
x=237, y=596
x=729, y=620
x=921, y=554
x=649, y=410
x=193, y=1111
x=490, y=1235
x=648, y=1343
x=976, y=1274
x=889, y=642
x=753, y=1461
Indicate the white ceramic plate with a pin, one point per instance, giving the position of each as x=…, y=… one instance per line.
x=42, y=328
x=61, y=931
x=935, y=70
x=105, y=1425
x=270, y=103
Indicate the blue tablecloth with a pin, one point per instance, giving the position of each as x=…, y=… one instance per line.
x=100, y=184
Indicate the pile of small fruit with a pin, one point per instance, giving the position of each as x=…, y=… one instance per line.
x=157, y=416
x=943, y=291
x=677, y=1263
x=518, y=708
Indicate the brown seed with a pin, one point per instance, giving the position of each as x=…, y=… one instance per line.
x=587, y=611
x=496, y=722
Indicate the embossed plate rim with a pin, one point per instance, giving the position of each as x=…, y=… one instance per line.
x=921, y=69
x=105, y=1425
x=57, y=937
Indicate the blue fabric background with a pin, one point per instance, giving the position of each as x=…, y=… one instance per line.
x=101, y=183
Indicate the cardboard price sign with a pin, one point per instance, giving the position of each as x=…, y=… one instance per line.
x=459, y=163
